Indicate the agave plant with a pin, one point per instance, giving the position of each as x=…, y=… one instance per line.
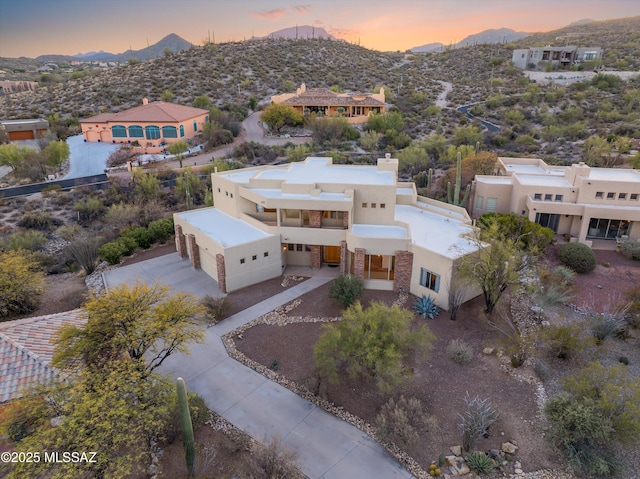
x=426, y=307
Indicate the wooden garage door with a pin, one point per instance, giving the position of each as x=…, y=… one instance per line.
x=21, y=135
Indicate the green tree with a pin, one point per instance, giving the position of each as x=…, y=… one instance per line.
x=113, y=411
x=297, y=153
x=413, y=157
x=178, y=148
x=528, y=236
x=202, y=101
x=370, y=141
x=383, y=122
x=56, y=154
x=167, y=96
x=494, y=266
x=140, y=322
x=373, y=343
x=332, y=131
x=21, y=283
x=467, y=135
x=12, y=155
x=277, y=116
x=346, y=289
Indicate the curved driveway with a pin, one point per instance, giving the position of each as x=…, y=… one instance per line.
x=328, y=447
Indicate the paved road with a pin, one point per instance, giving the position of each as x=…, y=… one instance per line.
x=328, y=447
x=487, y=124
x=97, y=181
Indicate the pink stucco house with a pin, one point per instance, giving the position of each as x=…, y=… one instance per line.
x=151, y=125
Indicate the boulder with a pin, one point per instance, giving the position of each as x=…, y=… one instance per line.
x=456, y=450
x=457, y=466
x=509, y=448
x=487, y=351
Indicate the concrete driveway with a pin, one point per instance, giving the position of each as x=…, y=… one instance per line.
x=328, y=447
x=87, y=159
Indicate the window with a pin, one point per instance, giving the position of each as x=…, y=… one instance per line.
x=241, y=260
x=169, y=132
x=218, y=190
x=364, y=205
x=376, y=266
x=429, y=280
x=373, y=205
x=226, y=193
x=548, y=197
x=298, y=247
x=549, y=220
x=231, y=195
x=537, y=196
x=599, y=194
x=195, y=126
x=136, y=131
x=611, y=196
x=152, y=132
x=606, y=228
x=181, y=131
x=634, y=197
x=254, y=257
x=291, y=247
x=266, y=253
x=479, y=202
x=622, y=196
x=118, y=131
x=558, y=197
x=491, y=204
x=383, y=205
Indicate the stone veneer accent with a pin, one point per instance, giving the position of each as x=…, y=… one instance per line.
x=181, y=242
x=358, y=263
x=222, y=273
x=316, y=256
x=403, y=271
x=194, y=250
x=343, y=257
x=315, y=218
x=345, y=220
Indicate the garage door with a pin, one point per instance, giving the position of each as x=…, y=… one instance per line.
x=20, y=135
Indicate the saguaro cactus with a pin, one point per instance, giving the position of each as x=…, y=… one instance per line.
x=455, y=199
x=187, y=427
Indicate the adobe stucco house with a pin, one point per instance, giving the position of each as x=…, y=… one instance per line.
x=152, y=125
x=317, y=214
x=586, y=204
x=356, y=107
x=559, y=58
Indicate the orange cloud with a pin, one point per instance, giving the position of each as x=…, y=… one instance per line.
x=301, y=9
x=277, y=13
x=343, y=33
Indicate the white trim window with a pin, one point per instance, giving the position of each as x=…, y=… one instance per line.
x=429, y=280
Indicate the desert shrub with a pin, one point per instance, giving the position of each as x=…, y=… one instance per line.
x=69, y=232
x=141, y=235
x=111, y=252
x=24, y=240
x=633, y=296
x=51, y=190
x=39, y=220
x=623, y=360
x=84, y=251
x=89, y=208
x=273, y=461
x=346, y=289
x=479, y=416
x=563, y=275
x=563, y=341
x=480, y=462
x=198, y=411
x=403, y=422
x=21, y=283
x=460, y=351
x=630, y=248
x=604, y=325
x=577, y=256
x=161, y=230
x=216, y=309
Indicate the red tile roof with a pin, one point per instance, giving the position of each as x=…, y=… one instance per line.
x=157, y=111
x=26, y=350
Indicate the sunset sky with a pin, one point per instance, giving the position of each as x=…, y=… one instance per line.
x=36, y=27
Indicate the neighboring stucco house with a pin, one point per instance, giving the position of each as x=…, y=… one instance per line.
x=26, y=350
x=317, y=214
x=356, y=107
x=585, y=204
x=151, y=125
x=559, y=58
x=25, y=129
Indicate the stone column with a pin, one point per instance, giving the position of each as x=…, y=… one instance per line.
x=345, y=220
x=315, y=219
x=343, y=257
x=181, y=242
x=194, y=250
x=222, y=274
x=403, y=271
x=358, y=263
x=316, y=256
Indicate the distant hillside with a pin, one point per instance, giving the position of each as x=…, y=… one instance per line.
x=300, y=31
x=493, y=35
x=429, y=47
x=172, y=41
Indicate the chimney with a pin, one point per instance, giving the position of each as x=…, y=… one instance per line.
x=145, y=101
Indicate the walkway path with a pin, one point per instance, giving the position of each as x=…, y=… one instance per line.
x=328, y=447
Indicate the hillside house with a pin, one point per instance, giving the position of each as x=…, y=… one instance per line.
x=25, y=129
x=321, y=102
x=359, y=219
x=556, y=58
x=150, y=126
x=595, y=206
